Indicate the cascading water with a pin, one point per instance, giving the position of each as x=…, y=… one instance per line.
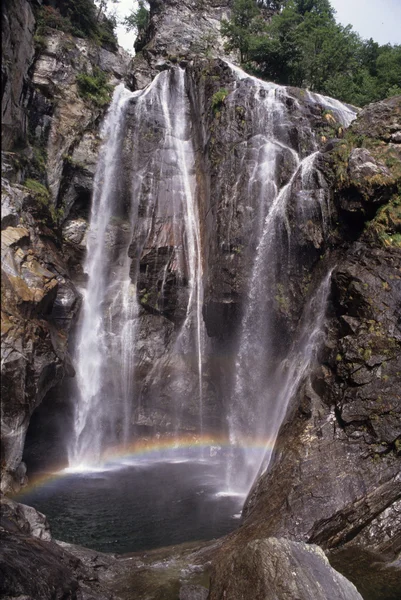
x=262, y=386
x=92, y=348
x=178, y=140
x=142, y=355
x=163, y=187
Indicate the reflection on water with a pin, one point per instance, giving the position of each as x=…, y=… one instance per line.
x=139, y=506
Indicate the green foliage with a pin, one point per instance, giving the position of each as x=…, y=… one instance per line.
x=48, y=16
x=218, y=99
x=39, y=42
x=81, y=18
x=138, y=19
x=387, y=223
x=303, y=45
x=240, y=29
x=94, y=87
x=40, y=191
x=38, y=161
x=42, y=195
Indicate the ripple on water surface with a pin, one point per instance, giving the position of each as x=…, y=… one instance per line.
x=139, y=506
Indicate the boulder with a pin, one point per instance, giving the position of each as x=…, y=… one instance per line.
x=277, y=569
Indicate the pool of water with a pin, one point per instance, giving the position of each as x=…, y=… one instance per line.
x=139, y=504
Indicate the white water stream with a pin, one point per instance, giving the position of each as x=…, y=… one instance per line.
x=263, y=388
x=105, y=390
x=146, y=200
x=91, y=347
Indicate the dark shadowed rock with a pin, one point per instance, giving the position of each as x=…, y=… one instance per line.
x=18, y=24
x=34, y=567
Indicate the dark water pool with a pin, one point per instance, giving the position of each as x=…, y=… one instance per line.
x=139, y=505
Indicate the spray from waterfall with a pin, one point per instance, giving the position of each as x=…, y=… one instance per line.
x=162, y=187
x=90, y=410
x=267, y=374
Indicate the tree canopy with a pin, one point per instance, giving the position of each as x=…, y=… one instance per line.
x=303, y=45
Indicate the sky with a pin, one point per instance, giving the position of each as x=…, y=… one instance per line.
x=126, y=40
x=377, y=19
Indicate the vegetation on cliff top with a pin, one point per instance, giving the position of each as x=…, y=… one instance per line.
x=81, y=18
x=304, y=46
x=138, y=19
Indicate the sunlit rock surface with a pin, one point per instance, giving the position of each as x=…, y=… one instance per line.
x=61, y=121
x=272, y=568
x=177, y=32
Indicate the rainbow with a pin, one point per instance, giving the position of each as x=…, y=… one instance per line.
x=155, y=448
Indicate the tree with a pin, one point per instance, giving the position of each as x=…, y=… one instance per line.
x=138, y=19
x=238, y=30
x=318, y=7
x=103, y=6
x=79, y=17
x=302, y=45
x=388, y=65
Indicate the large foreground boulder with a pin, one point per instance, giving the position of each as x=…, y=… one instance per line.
x=278, y=569
x=35, y=567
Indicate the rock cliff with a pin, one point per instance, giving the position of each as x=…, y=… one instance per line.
x=50, y=143
x=18, y=24
x=334, y=478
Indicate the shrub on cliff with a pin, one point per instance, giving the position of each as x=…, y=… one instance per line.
x=94, y=87
x=80, y=18
x=138, y=19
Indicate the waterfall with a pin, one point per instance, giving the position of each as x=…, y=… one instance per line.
x=267, y=372
x=91, y=354
x=344, y=114
x=133, y=193
x=177, y=138
x=145, y=257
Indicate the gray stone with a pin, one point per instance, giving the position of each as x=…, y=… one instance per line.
x=193, y=592
x=275, y=569
x=362, y=166
x=18, y=51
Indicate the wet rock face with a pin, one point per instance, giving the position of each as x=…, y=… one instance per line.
x=266, y=569
x=229, y=124
x=335, y=476
x=18, y=24
x=233, y=135
x=39, y=303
